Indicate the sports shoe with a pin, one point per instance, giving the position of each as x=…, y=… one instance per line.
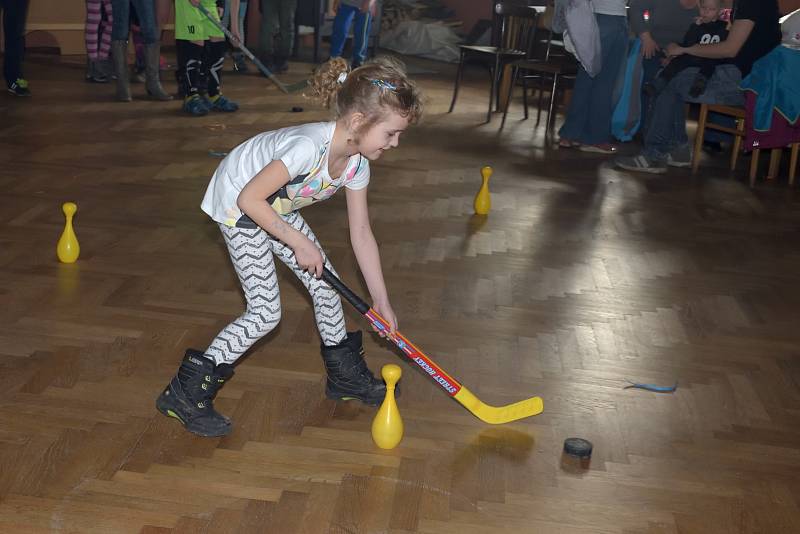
x=220, y=103
x=194, y=105
x=189, y=396
x=680, y=157
x=640, y=163
x=239, y=63
x=348, y=374
x=19, y=88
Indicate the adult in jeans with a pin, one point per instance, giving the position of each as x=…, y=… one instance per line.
x=145, y=9
x=658, y=23
x=754, y=33
x=588, y=121
x=14, y=13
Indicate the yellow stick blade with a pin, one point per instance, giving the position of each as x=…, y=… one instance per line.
x=497, y=415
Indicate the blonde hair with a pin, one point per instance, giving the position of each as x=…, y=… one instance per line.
x=375, y=88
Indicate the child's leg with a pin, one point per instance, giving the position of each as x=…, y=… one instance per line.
x=214, y=59
x=361, y=38
x=190, y=67
x=342, y=352
x=105, y=39
x=92, y=27
x=341, y=27
x=251, y=254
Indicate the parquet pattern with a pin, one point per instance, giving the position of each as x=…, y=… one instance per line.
x=581, y=277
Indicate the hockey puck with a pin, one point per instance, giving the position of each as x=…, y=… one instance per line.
x=578, y=447
x=297, y=109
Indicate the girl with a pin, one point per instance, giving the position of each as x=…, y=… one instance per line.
x=255, y=195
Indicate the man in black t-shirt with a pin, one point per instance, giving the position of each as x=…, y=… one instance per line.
x=754, y=33
x=707, y=30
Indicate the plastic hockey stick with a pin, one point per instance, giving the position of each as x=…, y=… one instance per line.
x=495, y=415
x=292, y=88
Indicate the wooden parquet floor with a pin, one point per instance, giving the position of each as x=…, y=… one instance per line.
x=580, y=278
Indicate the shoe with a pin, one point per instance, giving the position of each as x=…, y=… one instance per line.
x=567, y=143
x=698, y=86
x=348, y=374
x=119, y=54
x=194, y=105
x=152, y=81
x=189, y=396
x=712, y=147
x=603, y=148
x=680, y=157
x=239, y=63
x=220, y=103
x=137, y=75
x=640, y=163
x=93, y=72
x=19, y=88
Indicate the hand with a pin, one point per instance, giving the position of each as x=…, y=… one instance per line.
x=237, y=39
x=309, y=257
x=195, y=3
x=675, y=50
x=368, y=6
x=220, y=12
x=649, y=47
x=384, y=309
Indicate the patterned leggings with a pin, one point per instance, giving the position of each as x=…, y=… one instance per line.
x=252, y=252
x=98, y=47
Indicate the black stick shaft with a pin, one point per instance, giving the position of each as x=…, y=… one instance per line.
x=344, y=291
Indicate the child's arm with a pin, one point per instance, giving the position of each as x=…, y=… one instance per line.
x=252, y=201
x=729, y=48
x=234, y=12
x=366, y=250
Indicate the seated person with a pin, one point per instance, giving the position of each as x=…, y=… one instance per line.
x=754, y=33
x=709, y=29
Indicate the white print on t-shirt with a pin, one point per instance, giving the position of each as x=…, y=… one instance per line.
x=710, y=39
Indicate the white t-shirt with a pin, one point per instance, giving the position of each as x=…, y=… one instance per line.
x=304, y=151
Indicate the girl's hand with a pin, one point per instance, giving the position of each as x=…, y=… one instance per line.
x=195, y=3
x=385, y=310
x=675, y=50
x=309, y=257
x=649, y=46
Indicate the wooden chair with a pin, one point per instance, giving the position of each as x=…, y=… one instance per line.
x=513, y=28
x=738, y=133
x=548, y=61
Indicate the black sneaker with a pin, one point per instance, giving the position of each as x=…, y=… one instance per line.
x=189, y=397
x=239, y=63
x=19, y=88
x=348, y=375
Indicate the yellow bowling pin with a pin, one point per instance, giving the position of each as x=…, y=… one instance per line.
x=68, y=248
x=387, y=427
x=483, y=202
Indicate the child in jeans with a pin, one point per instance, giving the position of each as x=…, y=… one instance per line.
x=708, y=29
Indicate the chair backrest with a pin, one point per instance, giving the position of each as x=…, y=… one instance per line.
x=514, y=26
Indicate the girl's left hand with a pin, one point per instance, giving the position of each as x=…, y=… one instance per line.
x=675, y=50
x=385, y=310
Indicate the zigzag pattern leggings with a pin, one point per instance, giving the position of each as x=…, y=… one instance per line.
x=252, y=252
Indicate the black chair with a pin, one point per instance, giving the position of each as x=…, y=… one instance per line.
x=514, y=26
x=547, y=62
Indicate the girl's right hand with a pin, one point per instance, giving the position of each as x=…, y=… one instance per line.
x=649, y=47
x=309, y=257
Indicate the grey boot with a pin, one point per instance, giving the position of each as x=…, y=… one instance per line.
x=154, y=89
x=119, y=51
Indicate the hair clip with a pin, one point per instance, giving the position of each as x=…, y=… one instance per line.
x=384, y=85
x=342, y=77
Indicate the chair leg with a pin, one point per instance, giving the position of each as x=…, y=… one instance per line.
x=698, y=139
x=754, y=166
x=551, y=108
x=774, y=163
x=514, y=74
x=459, y=72
x=539, y=102
x=737, y=143
x=525, y=95
x=793, y=162
x=493, y=91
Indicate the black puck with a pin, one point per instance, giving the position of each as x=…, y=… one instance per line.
x=578, y=447
x=297, y=109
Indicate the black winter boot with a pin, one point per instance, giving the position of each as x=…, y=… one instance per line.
x=189, y=397
x=348, y=374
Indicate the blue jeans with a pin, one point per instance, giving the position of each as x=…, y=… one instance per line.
x=145, y=10
x=341, y=28
x=226, y=16
x=650, y=68
x=667, y=130
x=588, y=118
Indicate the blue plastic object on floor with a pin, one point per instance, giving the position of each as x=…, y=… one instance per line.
x=652, y=387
